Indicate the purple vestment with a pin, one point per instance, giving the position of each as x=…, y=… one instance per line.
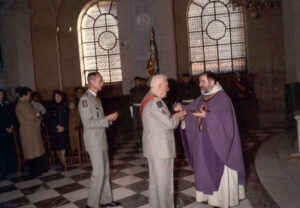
x=217, y=145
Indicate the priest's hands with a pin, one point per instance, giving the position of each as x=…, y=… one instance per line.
x=181, y=115
x=200, y=114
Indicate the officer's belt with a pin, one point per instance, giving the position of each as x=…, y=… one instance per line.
x=187, y=101
x=136, y=104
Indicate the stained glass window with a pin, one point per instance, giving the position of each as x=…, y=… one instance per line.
x=99, y=41
x=216, y=37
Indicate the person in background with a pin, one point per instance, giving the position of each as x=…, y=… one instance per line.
x=58, y=118
x=36, y=103
x=136, y=95
x=187, y=90
x=241, y=94
x=240, y=86
x=13, y=106
x=143, y=84
x=7, y=149
x=78, y=95
x=30, y=132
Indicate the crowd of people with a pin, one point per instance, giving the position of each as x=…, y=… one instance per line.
x=204, y=114
x=31, y=119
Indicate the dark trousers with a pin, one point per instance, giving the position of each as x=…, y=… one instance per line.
x=8, y=158
x=137, y=123
x=35, y=166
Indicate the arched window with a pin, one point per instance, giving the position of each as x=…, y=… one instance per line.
x=99, y=41
x=216, y=37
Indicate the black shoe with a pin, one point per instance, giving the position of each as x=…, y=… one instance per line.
x=111, y=204
x=59, y=167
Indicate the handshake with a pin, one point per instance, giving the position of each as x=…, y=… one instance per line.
x=179, y=112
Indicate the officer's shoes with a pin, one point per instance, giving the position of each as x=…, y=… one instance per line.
x=111, y=204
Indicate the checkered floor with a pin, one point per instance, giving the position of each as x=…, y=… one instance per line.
x=129, y=179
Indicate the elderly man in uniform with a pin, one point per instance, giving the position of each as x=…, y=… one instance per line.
x=159, y=142
x=94, y=123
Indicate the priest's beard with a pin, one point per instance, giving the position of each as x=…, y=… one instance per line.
x=205, y=90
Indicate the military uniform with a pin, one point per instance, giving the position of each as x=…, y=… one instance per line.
x=94, y=124
x=159, y=149
x=135, y=97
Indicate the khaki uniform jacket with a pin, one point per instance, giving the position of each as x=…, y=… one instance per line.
x=158, y=134
x=94, y=122
x=30, y=131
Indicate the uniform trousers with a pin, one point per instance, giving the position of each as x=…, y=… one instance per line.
x=161, y=185
x=100, y=190
x=137, y=123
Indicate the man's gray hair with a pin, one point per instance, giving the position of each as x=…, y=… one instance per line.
x=157, y=79
x=92, y=75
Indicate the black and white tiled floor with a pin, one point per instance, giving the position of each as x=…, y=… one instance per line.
x=129, y=180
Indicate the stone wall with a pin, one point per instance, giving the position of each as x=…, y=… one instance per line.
x=266, y=62
x=55, y=41
x=291, y=28
x=15, y=37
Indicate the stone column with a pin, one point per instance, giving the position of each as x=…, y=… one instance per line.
x=166, y=30
x=18, y=68
x=291, y=15
x=135, y=38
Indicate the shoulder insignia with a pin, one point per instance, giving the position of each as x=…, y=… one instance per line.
x=84, y=103
x=163, y=112
x=159, y=104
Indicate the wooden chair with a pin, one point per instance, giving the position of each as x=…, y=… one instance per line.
x=20, y=158
x=19, y=153
x=78, y=158
x=49, y=152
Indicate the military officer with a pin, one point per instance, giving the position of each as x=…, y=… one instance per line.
x=94, y=123
x=159, y=142
x=136, y=95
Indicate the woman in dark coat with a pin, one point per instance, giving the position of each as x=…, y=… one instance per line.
x=58, y=120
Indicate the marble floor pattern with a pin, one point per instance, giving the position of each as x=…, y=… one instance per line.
x=129, y=180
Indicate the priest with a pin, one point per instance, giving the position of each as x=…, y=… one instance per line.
x=212, y=145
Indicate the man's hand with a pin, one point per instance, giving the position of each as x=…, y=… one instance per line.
x=10, y=129
x=178, y=107
x=112, y=117
x=60, y=129
x=72, y=106
x=181, y=115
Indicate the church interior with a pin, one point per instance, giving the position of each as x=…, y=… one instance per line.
x=49, y=45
